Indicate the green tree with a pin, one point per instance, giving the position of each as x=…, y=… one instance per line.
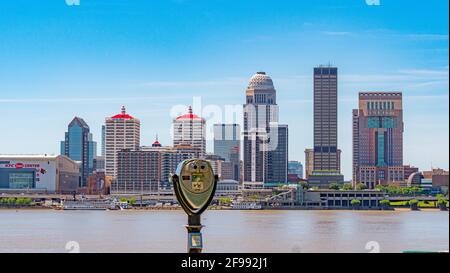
x=355, y=203
x=442, y=203
x=132, y=201
x=304, y=185
x=347, y=187
x=253, y=197
x=360, y=187
x=334, y=186
x=225, y=201
x=385, y=203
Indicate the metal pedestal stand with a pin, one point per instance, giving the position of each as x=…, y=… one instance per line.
x=194, y=227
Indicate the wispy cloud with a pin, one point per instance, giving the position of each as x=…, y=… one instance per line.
x=152, y=100
x=194, y=84
x=337, y=33
x=430, y=37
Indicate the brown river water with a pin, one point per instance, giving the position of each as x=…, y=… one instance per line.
x=225, y=231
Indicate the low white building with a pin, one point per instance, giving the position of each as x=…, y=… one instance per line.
x=227, y=188
x=38, y=173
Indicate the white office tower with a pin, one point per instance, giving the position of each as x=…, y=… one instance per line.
x=261, y=132
x=122, y=131
x=190, y=130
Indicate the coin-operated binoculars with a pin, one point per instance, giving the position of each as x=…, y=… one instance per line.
x=195, y=185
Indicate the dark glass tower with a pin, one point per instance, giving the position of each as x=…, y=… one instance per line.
x=326, y=162
x=78, y=146
x=325, y=119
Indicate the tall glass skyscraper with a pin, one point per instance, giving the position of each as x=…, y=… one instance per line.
x=265, y=141
x=79, y=146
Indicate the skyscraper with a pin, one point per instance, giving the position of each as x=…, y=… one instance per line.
x=325, y=119
x=326, y=162
x=227, y=145
x=122, y=131
x=377, y=136
x=263, y=157
x=190, y=130
x=79, y=146
x=276, y=161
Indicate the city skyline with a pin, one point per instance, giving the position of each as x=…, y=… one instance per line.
x=85, y=70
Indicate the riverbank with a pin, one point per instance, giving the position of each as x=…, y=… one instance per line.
x=40, y=208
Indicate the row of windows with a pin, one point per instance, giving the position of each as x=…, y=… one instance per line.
x=380, y=105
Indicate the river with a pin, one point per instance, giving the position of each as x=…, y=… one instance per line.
x=225, y=231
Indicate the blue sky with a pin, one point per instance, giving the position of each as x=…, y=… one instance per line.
x=58, y=61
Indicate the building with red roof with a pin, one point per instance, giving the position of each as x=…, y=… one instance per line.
x=122, y=131
x=190, y=129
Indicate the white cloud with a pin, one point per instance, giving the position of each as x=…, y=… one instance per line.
x=337, y=33
x=429, y=37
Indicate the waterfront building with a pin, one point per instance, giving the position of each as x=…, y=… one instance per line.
x=415, y=179
x=227, y=188
x=190, y=130
x=38, y=174
x=79, y=146
x=122, y=131
x=378, y=138
x=335, y=199
x=295, y=168
x=265, y=141
x=372, y=176
x=326, y=155
x=439, y=178
x=147, y=170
